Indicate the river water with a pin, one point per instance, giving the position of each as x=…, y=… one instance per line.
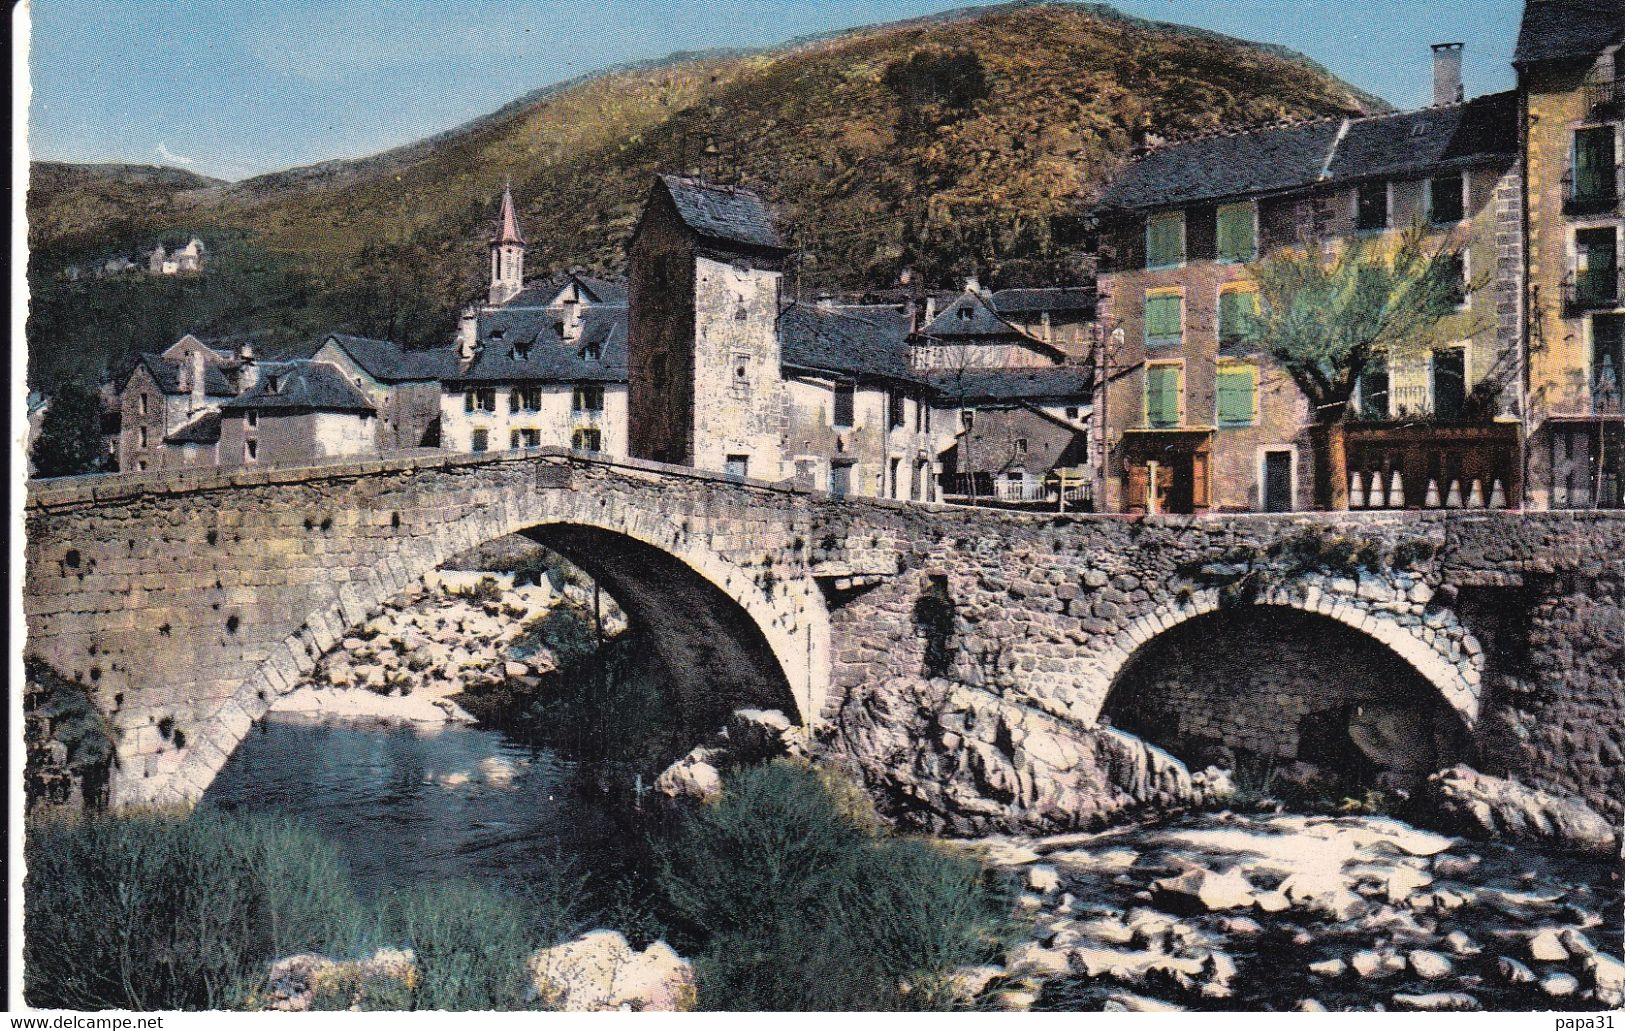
x=411, y=804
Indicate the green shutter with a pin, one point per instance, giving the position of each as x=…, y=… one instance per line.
x=1593, y=162
x=1163, y=315
x=1165, y=239
x=1162, y=396
x=1236, y=238
x=1236, y=396
x=1235, y=306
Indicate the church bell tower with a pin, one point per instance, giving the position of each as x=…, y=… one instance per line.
x=507, y=254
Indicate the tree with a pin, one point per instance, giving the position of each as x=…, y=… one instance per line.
x=1326, y=319
x=70, y=437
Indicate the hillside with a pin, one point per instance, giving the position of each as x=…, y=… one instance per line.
x=945, y=144
x=80, y=205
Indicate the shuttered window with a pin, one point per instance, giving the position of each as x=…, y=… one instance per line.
x=845, y=395
x=1446, y=200
x=1162, y=396
x=1238, y=239
x=1594, y=163
x=1238, y=392
x=1164, y=318
x=1235, y=308
x=1165, y=240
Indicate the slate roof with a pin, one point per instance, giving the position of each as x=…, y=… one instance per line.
x=725, y=213
x=301, y=384
x=1043, y=383
x=386, y=361
x=539, y=293
x=525, y=346
x=1553, y=30
x=205, y=429
x=854, y=343
x=168, y=376
x=1048, y=299
x=982, y=321
x=1294, y=157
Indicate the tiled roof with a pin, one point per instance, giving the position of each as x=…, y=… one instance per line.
x=508, y=221
x=1048, y=299
x=300, y=384
x=970, y=315
x=866, y=343
x=205, y=429
x=1042, y=383
x=725, y=213
x=1293, y=157
x=525, y=346
x=540, y=292
x=168, y=376
x=1556, y=29
x=387, y=362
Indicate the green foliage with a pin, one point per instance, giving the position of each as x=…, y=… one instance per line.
x=70, y=437
x=154, y=912
x=484, y=589
x=60, y=710
x=793, y=906
x=1028, y=104
x=1325, y=320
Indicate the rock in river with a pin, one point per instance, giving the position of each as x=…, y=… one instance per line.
x=1202, y=891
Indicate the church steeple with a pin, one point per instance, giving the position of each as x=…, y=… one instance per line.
x=507, y=253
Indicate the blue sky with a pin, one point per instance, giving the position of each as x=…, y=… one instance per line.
x=232, y=89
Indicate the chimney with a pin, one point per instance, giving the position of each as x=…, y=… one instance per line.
x=825, y=302
x=973, y=285
x=1447, y=88
x=930, y=315
x=571, y=331
x=248, y=372
x=468, y=337
x=199, y=394
x=1047, y=330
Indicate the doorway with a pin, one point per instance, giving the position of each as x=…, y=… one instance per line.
x=1278, y=481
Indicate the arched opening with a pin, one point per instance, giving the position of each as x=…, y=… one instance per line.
x=1265, y=690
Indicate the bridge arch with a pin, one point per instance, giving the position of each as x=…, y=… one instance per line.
x=767, y=627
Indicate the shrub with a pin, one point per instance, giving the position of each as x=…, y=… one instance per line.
x=156, y=912
x=788, y=904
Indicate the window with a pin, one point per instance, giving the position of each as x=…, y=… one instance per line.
x=141, y=465
x=1594, y=164
x=840, y=480
x=1449, y=382
x=252, y=418
x=1165, y=240
x=1371, y=207
x=591, y=353
x=586, y=439
x=1072, y=413
x=1457, y=266
x=740, y=383
x=530, y=399
x=1237, y=387
x=1021, y=446
x=531, y=438
x=480, y=400
x=966, y=312
x=1373, y=395
x=251, y=450
x=480, y=440
x=513, y=440
x=1238, y=236
x=143, y=432
x=1236, y=308
x=892, y=468
x=1162, y=401
x=143, y=400
x=845, y=397
x=513, y=400
x=967, y=418
x=894, y=409
x=1164, y=319
x=1607, y=363
x=737, y=465
x=587, y=398
x=1596, y=275
x=1447, y=200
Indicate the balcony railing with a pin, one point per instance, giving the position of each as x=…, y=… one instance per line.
x=1600, y=196
x=1604, y=99
x=1593, y=291
x=1020, y=490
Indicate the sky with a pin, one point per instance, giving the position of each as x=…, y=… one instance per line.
x=234, y=88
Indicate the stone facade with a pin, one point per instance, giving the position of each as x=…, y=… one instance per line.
x=959, y=660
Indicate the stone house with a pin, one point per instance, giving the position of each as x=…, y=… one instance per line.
x=187, y=259
x=165, y=402
x=1019, y=435
x=1191, y=421
x=403, y=387
x=294, y=412
x=1571, y=75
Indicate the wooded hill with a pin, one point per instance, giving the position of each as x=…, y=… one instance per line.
x=956, y=143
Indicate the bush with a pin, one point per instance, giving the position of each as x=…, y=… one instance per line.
x=155, y=912
x=788, y=904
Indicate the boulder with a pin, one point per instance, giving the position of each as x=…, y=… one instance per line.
x=1127, y=1002
x=1546, y=947
x=966, y=983
x=1393, y=737
x=1513, y=972
x=1043, y=879
x=1475, y=804
x=1428, y=965
x=1437, y=1002
x=1034, y=961
x=1558, y=984
x=1324, y=893
x=1202, y=891
x=1328, y=968
x=693, y=777
x=759, y=733
x=1607, y=977
x=294, y=982
x=599, y=971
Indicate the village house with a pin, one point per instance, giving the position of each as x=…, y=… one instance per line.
x=404, y=387
x=1190, y=420
x=540, y=364
x=1571, y=75
x=169, y=405
x=184, y=260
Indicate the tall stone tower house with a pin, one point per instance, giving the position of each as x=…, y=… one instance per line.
x=706, y=271
x=507, y=254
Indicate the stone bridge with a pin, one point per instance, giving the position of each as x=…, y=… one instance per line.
x=979, y=669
